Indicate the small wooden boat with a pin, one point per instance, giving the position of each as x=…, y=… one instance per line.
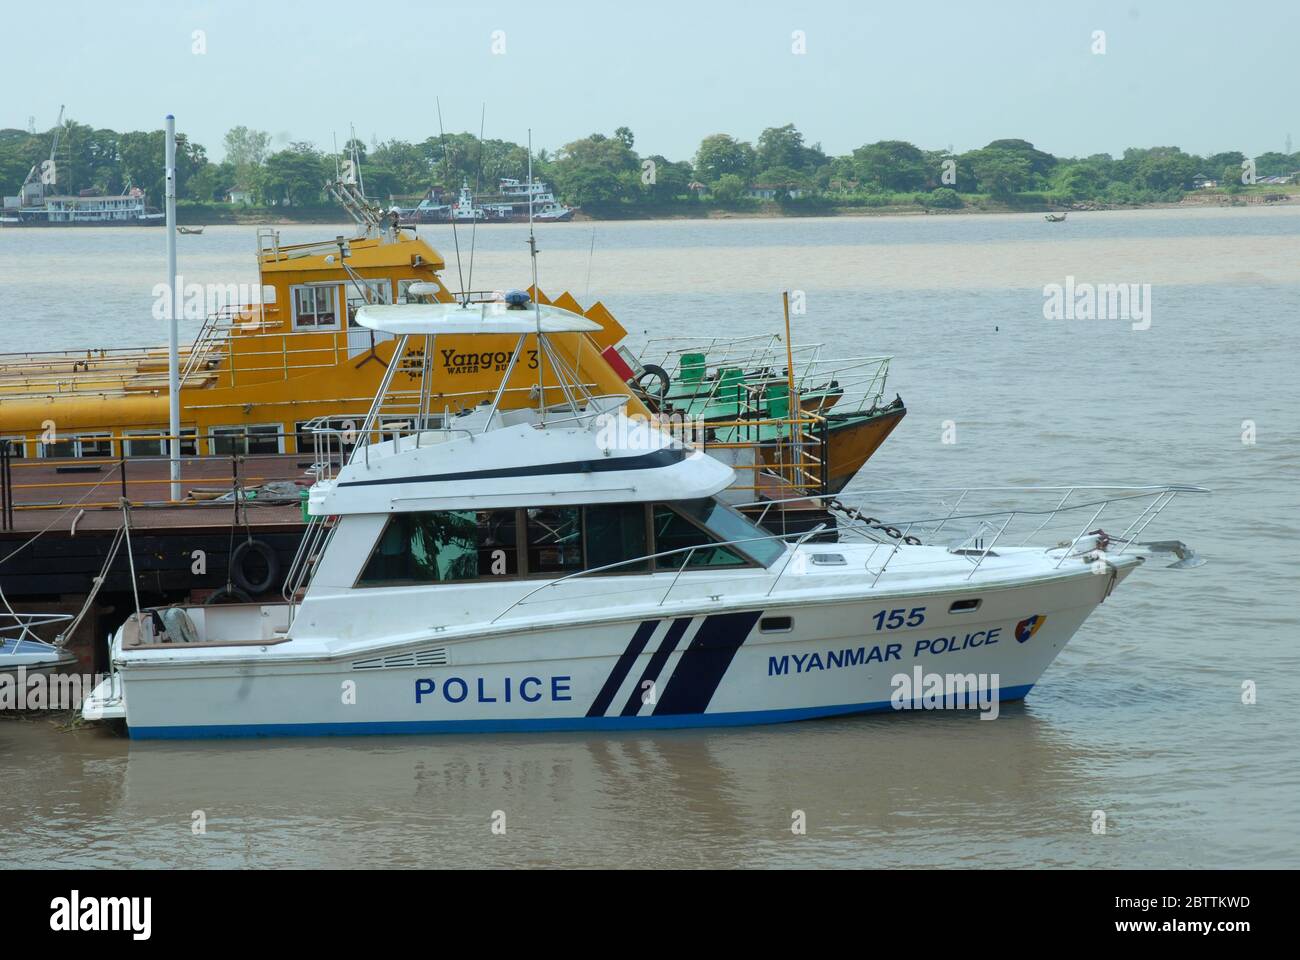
x=1055, y=218
x=188, y=231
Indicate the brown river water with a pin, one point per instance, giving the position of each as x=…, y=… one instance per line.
x=1141, y=716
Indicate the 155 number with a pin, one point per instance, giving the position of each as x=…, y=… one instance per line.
x=893, y=619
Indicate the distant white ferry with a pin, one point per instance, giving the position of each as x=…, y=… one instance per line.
x=122, y=210
x=34, y=207
x=509, y=205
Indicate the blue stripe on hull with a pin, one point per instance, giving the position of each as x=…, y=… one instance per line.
x=549, y=724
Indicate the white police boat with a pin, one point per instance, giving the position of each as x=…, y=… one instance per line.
x=567, y=567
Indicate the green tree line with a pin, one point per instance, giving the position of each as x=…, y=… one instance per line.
x=605, y=174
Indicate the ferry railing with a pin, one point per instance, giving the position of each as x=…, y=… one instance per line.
x=212, y=477
x=841, y=385
x=231, y=346
x=668, y=352
x=875, y=533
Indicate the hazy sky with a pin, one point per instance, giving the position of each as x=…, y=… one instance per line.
x=1206, y=76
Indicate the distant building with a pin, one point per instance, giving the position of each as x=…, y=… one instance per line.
x=770, y=191
x=1203, y=183
x=239, y=195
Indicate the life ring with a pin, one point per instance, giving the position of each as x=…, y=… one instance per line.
x=227, y=594
x=238, y=567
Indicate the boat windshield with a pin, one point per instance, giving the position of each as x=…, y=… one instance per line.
x=731, y=525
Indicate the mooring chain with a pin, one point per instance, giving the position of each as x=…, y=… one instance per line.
x=853, y=513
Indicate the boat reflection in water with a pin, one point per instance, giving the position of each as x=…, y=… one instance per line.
x=876, y=791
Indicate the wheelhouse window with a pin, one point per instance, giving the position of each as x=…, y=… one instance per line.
x=444, y=546
x=404, y=291
x=674, y=532
x=733, y=526
x=380, y=291
x=315, y=307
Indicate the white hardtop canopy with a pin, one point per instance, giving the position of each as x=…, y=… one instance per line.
x=437, y=319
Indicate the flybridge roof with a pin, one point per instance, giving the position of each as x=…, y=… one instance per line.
x=364, y=253
x=453, y=318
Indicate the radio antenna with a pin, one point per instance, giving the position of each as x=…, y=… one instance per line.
x=446, y=165
x=537, y=307
x=356, y=159
x=591, y=254
x=478, y=187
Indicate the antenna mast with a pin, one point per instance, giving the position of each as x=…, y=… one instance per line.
x=446, y=166
x=537, y=307
x=478, y=189
x=356, y=159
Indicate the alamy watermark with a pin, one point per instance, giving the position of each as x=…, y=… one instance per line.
x=619, y=432
x=1098, y=301
x=199, y=300
x=40, y=690
x=920, y=690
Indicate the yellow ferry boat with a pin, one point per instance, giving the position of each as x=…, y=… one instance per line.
x=260, y=378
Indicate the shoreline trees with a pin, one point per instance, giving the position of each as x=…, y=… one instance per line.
x=605, y=175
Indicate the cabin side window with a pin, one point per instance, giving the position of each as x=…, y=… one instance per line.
x=59, y=448
x=554, y=540
x=95, y=445
x=251, y=439
x=615, y=533
x=315, y=306
x=444, y=546
x=17, y=447
x=154, y=443
x=551, y=542
x=85, y=445
x=333, y=433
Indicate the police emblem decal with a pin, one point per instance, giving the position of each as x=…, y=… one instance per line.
x=1029, y=626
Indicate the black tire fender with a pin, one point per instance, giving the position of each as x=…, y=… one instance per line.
x=227, y=594
x=241, y=577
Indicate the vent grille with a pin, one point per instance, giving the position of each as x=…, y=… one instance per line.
x=436, y=657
